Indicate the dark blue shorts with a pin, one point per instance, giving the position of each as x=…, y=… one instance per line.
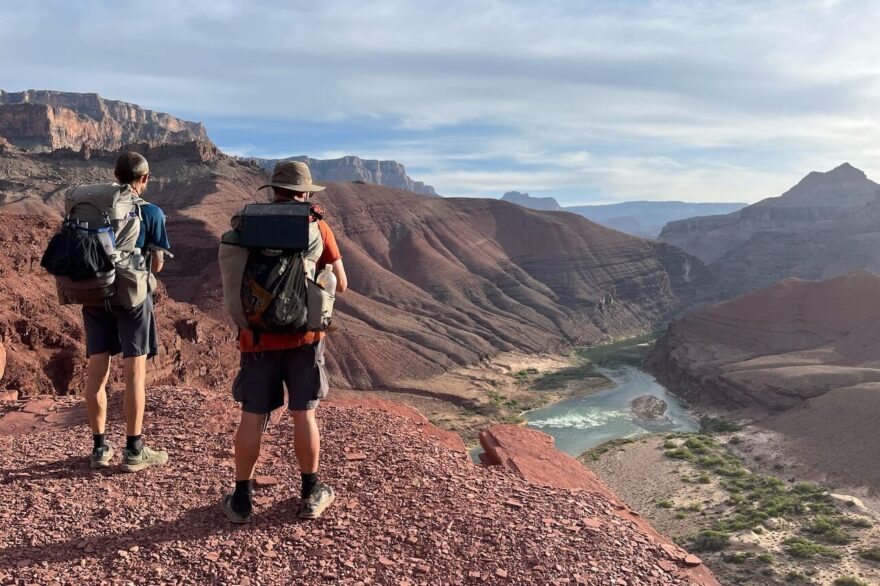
x=130, y=331
x=259, y=386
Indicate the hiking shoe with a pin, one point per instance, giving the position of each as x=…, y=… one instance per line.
x=321, y=497
x=101, y=457
x=132, y=462
x=232, y=514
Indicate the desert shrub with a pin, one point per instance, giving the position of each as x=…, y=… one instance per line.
x=679, y=454
x=765, y=558
x=710, y=540
x=700, y=445
x=858, y=522
x=829, y=529
x=665, y=504
x=709, y=425
x=802, y=548
x=740, y=557
x=850, y=581
x=872, y=554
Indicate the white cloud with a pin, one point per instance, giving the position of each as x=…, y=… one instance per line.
x=691, y=99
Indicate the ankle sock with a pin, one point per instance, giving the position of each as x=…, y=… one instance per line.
x=308, y=484
x=134, y=443
x=241, y=498
x=99, y=440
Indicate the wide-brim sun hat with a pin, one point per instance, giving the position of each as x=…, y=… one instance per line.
x=293, y=175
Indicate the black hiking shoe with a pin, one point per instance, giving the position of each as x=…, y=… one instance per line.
x=321, y=498
x=233, y=515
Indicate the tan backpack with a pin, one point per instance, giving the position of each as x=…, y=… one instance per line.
x=93, y=208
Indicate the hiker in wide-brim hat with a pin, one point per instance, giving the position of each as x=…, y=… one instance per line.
x=273, y=360
x=293, y=176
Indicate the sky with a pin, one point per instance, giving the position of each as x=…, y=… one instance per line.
x=590, y=101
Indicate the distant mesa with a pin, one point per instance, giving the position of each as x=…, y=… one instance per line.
x=647, y=218
x=354, y=169
x=45, y=121
x=826, y=225
x=547, y=204
x=638, y=218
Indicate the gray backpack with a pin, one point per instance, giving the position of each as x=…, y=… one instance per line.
x=94, y=208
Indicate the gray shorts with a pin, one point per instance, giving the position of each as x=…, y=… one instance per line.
x=259, y=385
x=130, y=331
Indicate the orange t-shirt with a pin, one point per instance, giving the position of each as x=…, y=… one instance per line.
x=269, y=341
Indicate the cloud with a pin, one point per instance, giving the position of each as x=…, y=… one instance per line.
x=683, y=99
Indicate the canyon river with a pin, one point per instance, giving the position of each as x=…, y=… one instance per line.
x=581, y=423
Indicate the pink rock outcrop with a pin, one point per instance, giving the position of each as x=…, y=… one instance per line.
x=532, y=455
x=43, y=121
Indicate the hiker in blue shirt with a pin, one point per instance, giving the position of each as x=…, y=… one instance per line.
x=111, y=330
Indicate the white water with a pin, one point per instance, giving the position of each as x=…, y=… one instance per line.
x=581, y=423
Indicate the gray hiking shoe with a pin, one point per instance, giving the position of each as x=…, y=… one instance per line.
x=101, y=457
x=132, y=462
x=321, y=498
x=232, y=514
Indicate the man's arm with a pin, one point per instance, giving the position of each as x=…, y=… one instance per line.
x=157, y=261
x=341, y=279
x=157, y=238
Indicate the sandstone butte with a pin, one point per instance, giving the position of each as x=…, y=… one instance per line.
x=49, y=120
x=800, y=357
x=824, y=226
x=411, y=507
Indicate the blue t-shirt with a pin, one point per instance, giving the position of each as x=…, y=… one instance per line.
x=153, y=228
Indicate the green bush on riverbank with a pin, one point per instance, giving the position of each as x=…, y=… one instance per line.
x=753, y=498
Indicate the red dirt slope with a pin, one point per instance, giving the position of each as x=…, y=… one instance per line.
x=408, y=511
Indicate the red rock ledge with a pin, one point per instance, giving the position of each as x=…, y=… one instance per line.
x=533, y=455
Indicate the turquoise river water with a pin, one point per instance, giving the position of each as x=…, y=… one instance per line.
x=581, y=423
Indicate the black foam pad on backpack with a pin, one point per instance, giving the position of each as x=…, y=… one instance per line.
x=75, y=254
x=276, y=226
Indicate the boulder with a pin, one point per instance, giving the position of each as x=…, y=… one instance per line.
x=648, y=407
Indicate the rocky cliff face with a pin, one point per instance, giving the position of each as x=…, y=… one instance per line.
x=824, y=226
x=387, y=173
x=43, y=121
x=436, y=283
x=795, y=353
x=547, y=204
